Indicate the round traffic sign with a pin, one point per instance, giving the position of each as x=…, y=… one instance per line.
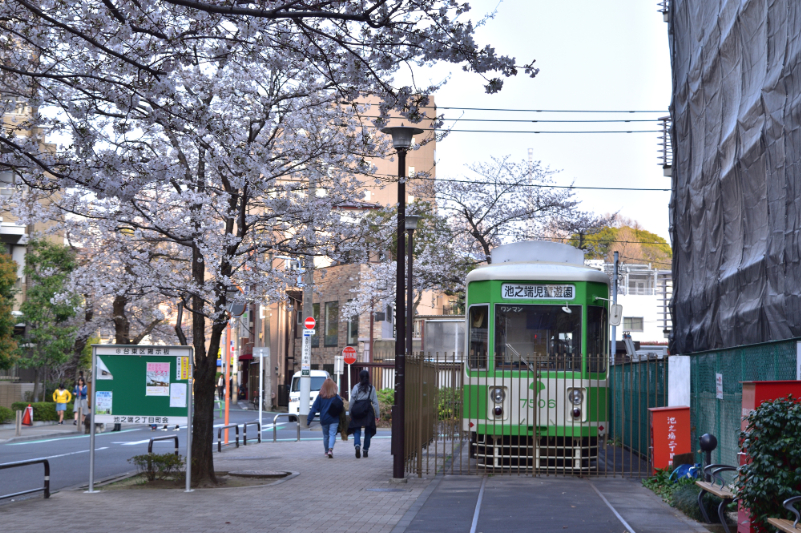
x=309, y=323
x=350, y=355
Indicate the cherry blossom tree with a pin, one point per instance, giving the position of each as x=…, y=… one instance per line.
x=214, y=135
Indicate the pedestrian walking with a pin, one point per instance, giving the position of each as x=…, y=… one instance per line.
x=62, y=397
x=221, y=387
x=364, y=413
x=80, y=401
x=329, y=405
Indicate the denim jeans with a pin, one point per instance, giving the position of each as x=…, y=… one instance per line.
x=330, y=435
x=357, y=438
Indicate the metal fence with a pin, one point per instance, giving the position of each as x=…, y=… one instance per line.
x=634, y=387
x=539, y=414
x=721, y=416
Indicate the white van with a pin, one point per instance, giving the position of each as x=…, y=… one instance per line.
x=317, y=379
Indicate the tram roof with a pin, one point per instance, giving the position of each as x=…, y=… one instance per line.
x=537, y=271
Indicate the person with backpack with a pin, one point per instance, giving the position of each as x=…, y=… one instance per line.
x=364, y=412
x=329, y=405
x=79, y=391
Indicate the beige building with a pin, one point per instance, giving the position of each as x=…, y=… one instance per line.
x=279, y=326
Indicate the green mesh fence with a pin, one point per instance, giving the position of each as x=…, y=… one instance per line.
x=761, y=362
x=633, y=388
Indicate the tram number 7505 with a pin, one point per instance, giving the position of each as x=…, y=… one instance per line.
x=532, y=403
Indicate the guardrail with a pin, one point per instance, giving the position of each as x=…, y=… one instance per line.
x=170, y=437
x=289, y=417
x=219, y=435
x=245, y=431
x=45, y=488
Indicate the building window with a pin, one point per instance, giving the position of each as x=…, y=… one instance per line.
x=631, y=323
x=331, y=323
x=353, y=330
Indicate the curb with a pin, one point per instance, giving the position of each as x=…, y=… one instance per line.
x=42, y=436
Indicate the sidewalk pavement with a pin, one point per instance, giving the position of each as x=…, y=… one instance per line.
x=39, y=432
x=348, y=494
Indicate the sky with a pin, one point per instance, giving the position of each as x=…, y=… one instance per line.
x=610, y=55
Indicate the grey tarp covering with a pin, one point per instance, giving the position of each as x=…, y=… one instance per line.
x=736, y=172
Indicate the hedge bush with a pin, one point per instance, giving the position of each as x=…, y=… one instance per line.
x=772, y=442
x=6, y=415
x=158, y=465
x=43, y=411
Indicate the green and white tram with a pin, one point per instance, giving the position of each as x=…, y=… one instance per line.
x=536, y=365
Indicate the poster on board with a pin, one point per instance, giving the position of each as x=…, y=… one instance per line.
x=103, y=402
x=158, y=379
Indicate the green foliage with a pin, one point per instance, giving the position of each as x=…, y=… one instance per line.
x=8, y=277
x=681, y=494
x=662, y=485
x=386, y=399
x=158, y=466
x=685, y=499
x=448, y=401
x=43, y=411
x=772, y=441
x=6, y=415
x=600, y=245
x=85, y=362
x=50, y=334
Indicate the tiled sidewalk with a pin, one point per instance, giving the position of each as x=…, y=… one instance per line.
x=328, y=495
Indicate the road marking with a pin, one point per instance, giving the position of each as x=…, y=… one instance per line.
x=60, y=455
x=625, y=524
x=478, y=505
x=68, y=438
x=133, y=443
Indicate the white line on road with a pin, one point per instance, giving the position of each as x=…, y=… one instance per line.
x=478, y=505
x=60, y=455
x=625, y=524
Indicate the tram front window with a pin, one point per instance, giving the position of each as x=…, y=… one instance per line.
x=545, y=336
x=478, y=332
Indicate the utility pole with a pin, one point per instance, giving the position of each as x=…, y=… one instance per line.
x=305, y=356
x=614, y=302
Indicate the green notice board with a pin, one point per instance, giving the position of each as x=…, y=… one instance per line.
x=141, y=384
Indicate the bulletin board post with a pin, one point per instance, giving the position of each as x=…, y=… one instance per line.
x=153, y=385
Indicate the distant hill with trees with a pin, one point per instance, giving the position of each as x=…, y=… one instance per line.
x=626, y=236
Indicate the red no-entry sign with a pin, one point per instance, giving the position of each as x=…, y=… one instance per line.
x=309, y=323
x=350, y=355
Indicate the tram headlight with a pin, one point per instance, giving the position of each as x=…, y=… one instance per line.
x=575, y=396
x=498, y=395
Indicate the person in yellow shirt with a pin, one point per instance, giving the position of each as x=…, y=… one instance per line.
x=62, y=397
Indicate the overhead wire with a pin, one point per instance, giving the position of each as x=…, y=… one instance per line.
x=535, y=185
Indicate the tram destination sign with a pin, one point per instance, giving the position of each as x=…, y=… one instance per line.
x=524, y=291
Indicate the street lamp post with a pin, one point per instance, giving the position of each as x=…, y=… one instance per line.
x=401, y=141
x=411, y=225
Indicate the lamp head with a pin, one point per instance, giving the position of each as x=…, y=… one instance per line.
x=708, y=442
x=401, y=136
x=411, y=222
x=566, y=309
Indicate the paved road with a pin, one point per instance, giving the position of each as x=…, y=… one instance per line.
x=69, y=455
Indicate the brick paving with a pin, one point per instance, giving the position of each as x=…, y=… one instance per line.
x=327, y=495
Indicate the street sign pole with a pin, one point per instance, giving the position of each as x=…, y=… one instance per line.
x=92, y=425
x=190, y=400
x=349, y=356
x=339, y=365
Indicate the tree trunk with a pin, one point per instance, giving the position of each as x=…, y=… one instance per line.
x=71, y=367
x=122, y=327
x=204, y=385
x=35, y=385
